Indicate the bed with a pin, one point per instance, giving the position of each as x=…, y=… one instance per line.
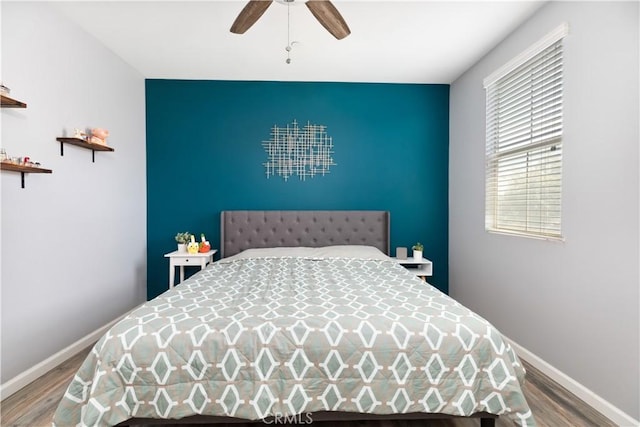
x=305, y=318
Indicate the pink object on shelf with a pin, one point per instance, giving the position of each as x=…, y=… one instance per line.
x=99, y=136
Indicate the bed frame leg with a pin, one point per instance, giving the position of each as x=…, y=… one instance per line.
x=487, y=422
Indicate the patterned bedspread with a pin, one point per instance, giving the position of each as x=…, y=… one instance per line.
x=254, y=337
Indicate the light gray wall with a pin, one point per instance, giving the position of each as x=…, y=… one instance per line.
x=74, y=242
x=574, y=304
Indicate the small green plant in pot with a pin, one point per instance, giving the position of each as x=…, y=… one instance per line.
x=182, y=239
x=417, y=251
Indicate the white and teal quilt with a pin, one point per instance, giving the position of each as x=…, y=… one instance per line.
x=255, y=336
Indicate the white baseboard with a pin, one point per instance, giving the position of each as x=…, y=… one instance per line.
x=607, y=409
x=25, y=378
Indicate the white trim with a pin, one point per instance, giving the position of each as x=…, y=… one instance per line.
x=25, y=378
x=615, y=414
x=555, y=35
x=559, y=239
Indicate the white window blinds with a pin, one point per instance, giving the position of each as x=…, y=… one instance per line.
x=524, y=145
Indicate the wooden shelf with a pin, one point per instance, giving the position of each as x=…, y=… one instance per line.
x=8, y=102
x=22, y=169
x=84, y=144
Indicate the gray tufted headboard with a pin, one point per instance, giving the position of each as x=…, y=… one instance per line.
x=240, y=230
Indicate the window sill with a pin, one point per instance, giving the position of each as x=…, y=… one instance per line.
x=559, y=239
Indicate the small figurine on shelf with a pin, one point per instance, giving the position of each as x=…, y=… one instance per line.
x=77, y=133
x=193, y=246
x=205, y=246
x=99, y=136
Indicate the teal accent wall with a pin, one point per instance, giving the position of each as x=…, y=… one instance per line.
x=205, y=155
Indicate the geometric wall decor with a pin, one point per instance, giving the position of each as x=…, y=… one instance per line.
x=303, y=152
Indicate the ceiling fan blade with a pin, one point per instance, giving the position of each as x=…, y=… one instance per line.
x=249, y=15
x=327, y=14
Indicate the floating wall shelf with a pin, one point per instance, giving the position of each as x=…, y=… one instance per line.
x=8, y=102
x=22, y=169
x=84, y=144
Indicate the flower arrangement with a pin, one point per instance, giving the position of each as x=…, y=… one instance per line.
x=183, y=238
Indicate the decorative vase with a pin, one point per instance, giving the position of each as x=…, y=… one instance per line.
x=205, y=246
x=182, y=247
x=417, y=255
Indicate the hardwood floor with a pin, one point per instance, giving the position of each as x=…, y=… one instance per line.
x=552, y=405
x=34, y=405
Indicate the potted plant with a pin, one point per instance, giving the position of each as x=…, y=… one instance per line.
x=417, y=251
x=183, y=239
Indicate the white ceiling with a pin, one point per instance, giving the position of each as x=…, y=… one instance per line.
x=390, y=41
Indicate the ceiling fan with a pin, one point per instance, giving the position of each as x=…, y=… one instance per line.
x=324, y=11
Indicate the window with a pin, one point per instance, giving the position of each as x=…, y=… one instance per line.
x=524, y=142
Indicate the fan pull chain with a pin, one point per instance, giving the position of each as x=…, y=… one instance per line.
x=289, y=43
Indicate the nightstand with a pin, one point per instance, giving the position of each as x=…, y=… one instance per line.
x=180, y=259
x=422, y=267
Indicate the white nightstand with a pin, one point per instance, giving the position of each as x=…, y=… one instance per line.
x=422, y=267
x=180, y=259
